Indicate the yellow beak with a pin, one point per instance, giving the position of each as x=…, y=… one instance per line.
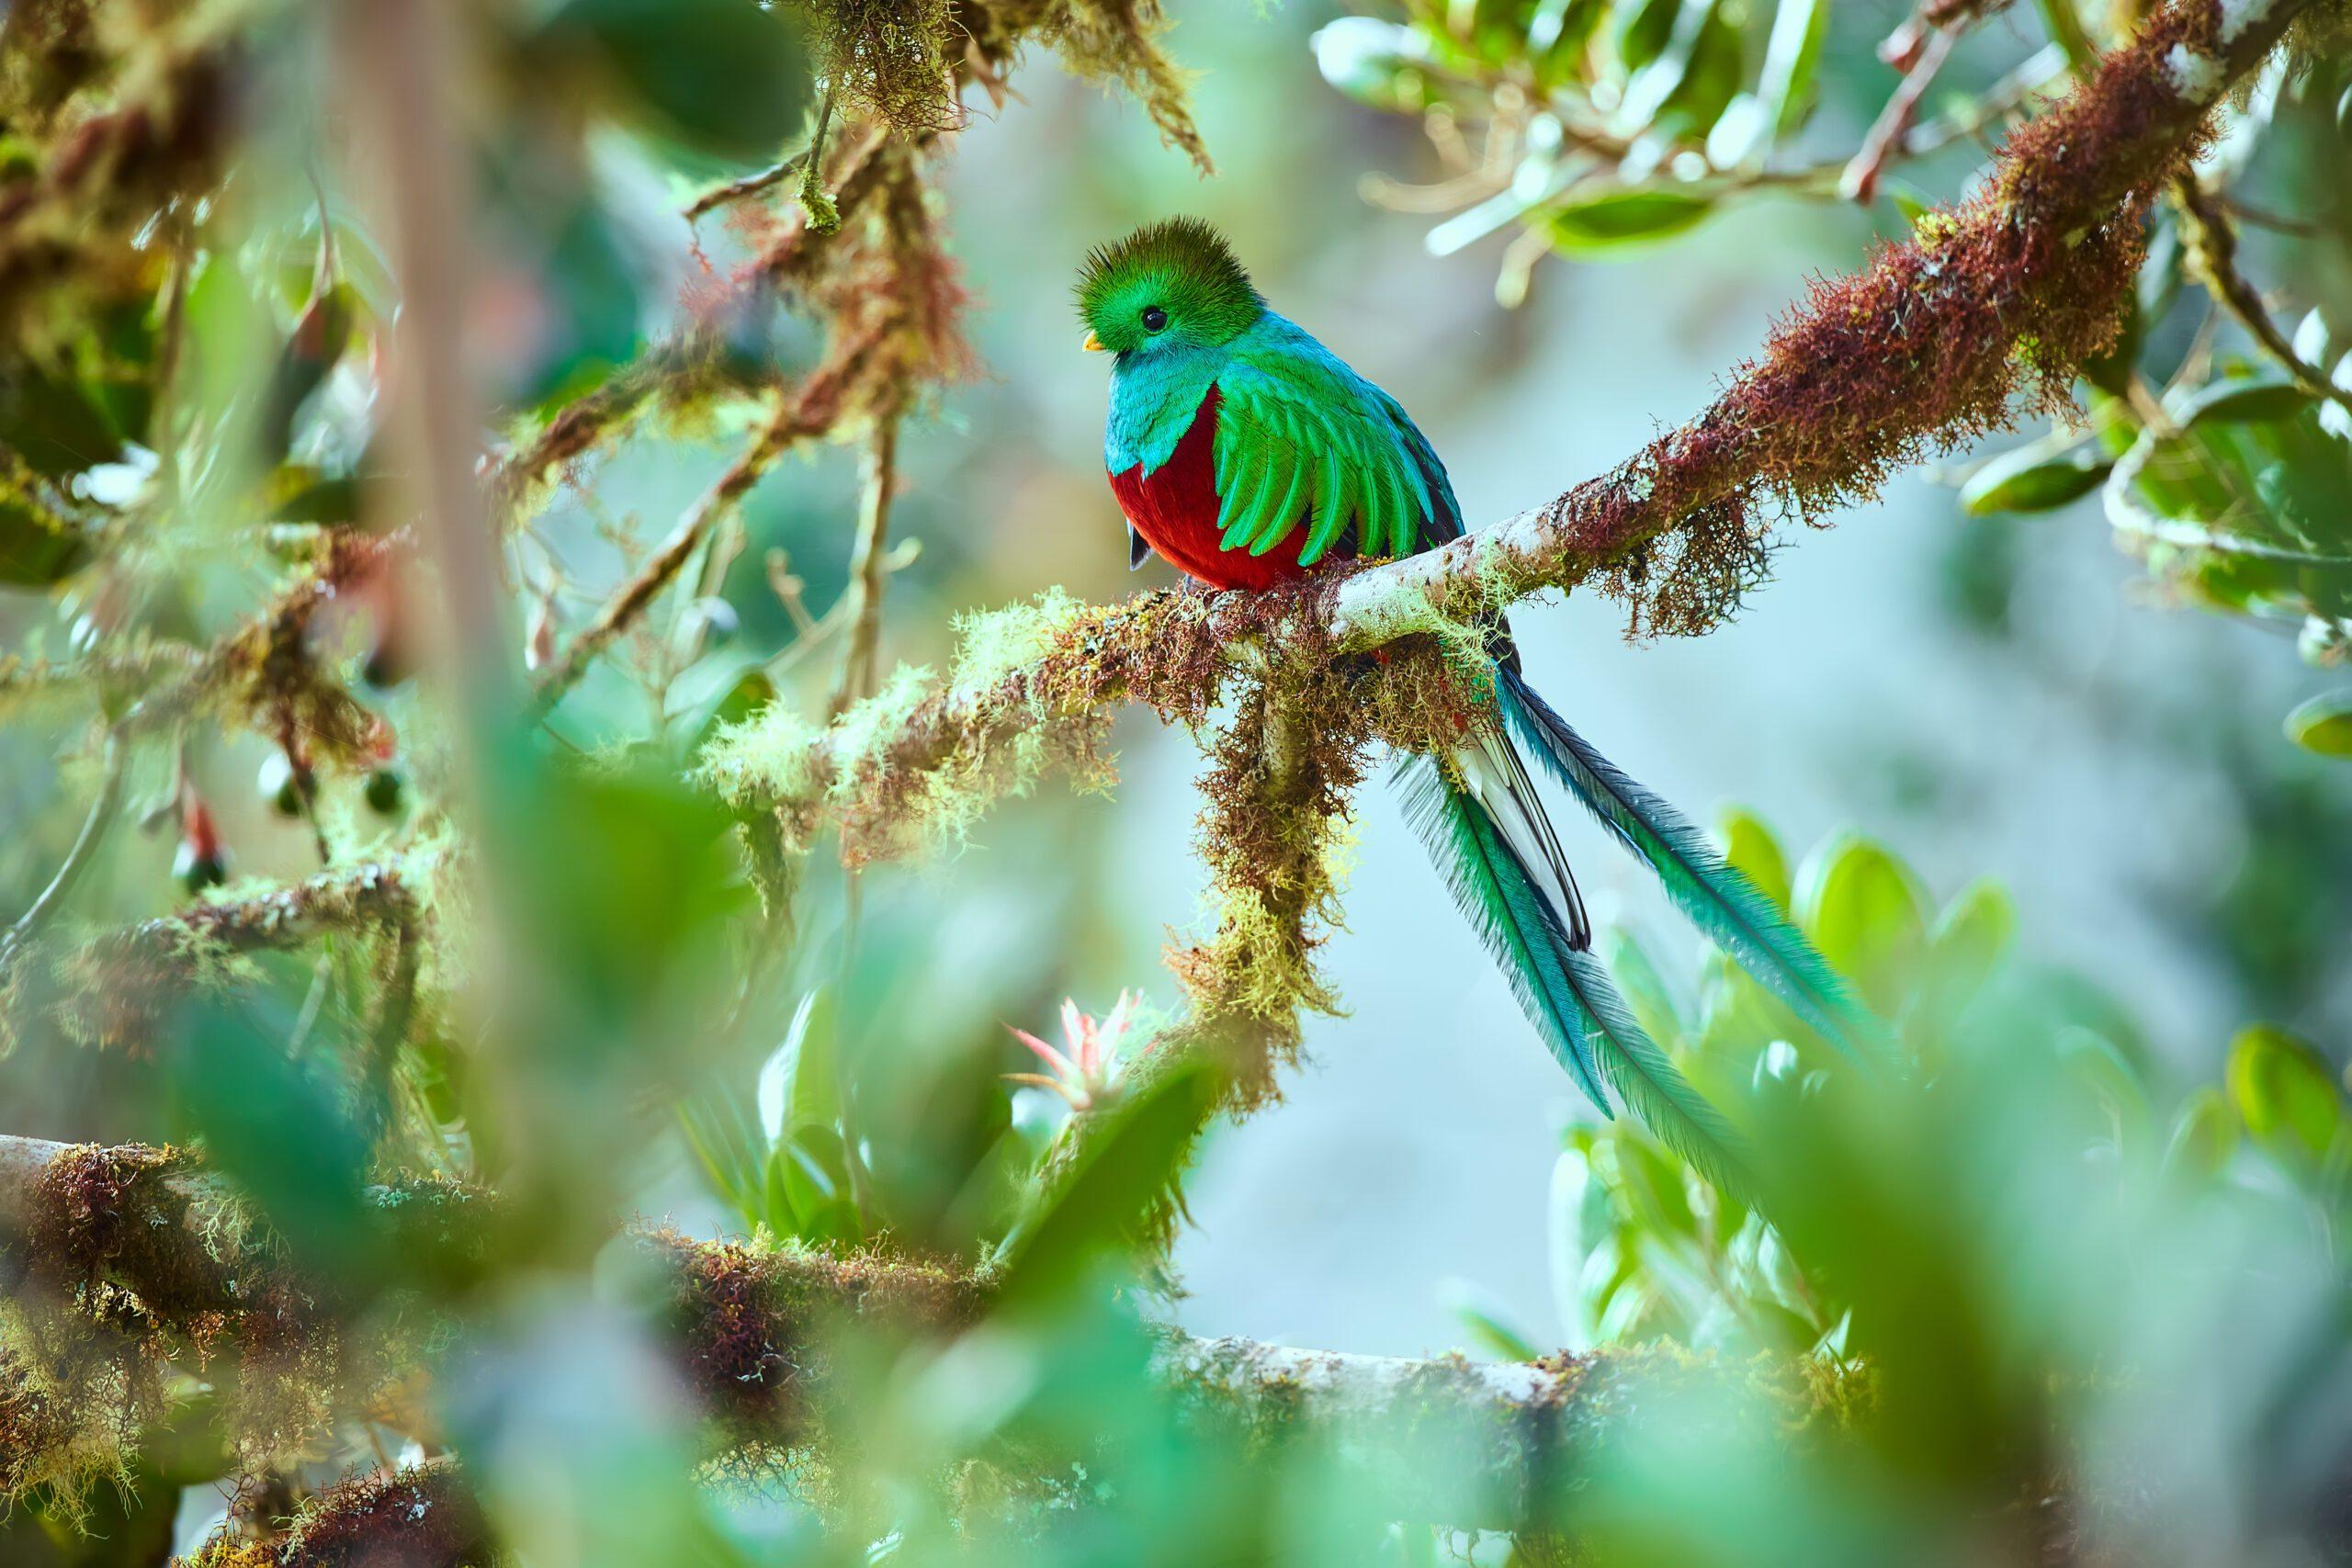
x=1093, y=344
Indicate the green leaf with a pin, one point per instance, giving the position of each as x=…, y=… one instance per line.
x=304, y=361
x=50, y=422
x=1577, y=1211
x=1750, y=849
x=1619, y=219
x=298, y=492
x=2204, y=1134
x=1793, y=63
x=2243, y=403
x=1132, y=1152
x=1690, y=81
x=2034, y=478
x=1487, y=1321
x=2092, y=1061
x=1863, y=907
x=1644, y=988
x=37, y=548
x=2283, y=1090
x=1970, y=936
x=1910, y=200
x=2323, y=724
x=1641, y=31
x=722, y=75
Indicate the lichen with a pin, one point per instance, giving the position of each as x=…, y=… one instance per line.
x=422, y=1516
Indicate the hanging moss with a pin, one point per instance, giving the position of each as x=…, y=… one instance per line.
x=421, y=1515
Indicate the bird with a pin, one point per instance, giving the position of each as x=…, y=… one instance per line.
x=1249, y=457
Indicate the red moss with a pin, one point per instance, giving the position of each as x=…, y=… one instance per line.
x=421, y=1516
x=749, y=1324
x=1990, y=310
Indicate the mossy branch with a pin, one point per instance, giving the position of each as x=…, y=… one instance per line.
x=1926, y=346
x=421, y=1516
x=1451, y=1441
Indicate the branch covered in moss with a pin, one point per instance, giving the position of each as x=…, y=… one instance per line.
x=146, y=1239
x=1926, y=346
x=421, y=1516
x=120, y=1259
x=113, y=990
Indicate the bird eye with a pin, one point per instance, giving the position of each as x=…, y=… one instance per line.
x=1154, y=318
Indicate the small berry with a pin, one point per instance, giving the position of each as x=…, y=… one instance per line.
x=196, y=870
x=201, y=861
x=283, y=785
x=387, y=791
x=385, y=667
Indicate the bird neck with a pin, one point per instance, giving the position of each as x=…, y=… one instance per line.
x=1154, y=395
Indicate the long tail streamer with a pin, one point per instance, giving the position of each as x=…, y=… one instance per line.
x=1561, y=986
x=1717, y=899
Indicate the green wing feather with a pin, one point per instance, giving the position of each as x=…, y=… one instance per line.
x=1565, y=993
x=1718, y=900
x=1300, y=437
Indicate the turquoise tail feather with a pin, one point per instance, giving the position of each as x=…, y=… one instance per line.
x=1563, y=988
x=1720, y=901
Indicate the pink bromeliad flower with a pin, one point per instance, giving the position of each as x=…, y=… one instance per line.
x=1084, y=1072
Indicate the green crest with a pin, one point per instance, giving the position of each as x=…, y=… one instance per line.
x=1173, y=282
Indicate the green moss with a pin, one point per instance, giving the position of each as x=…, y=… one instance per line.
x=994, y=646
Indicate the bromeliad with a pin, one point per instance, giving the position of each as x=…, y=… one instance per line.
x=1246, y=455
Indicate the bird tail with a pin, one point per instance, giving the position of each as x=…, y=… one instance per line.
x=1473, y=810
x=1717, y=899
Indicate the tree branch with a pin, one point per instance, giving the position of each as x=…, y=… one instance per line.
x=1926, y=346
x=867, y=571
x=2211, y=259
x=1451, y=1441
x=86, y=845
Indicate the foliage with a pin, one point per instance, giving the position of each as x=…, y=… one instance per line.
x=1603, y=128
x=348, y=350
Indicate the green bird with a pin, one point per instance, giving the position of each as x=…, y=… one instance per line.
x=1248, y=455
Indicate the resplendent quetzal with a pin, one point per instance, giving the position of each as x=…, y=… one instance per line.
x=1247, y=456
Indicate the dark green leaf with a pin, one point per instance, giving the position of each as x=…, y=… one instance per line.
x=2244, y=403
x=1623, y=218
x=722, y=75
x=2204, y=1132
x=37, y=548
x=54, y=424
x=1128, y=1163
x=2034, y=478
x=304, y=361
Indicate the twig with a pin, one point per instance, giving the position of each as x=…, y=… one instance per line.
x=2261, y=218
x=868, y=568
x=1860, y=183
x=1917, y=348
x=86, y=845
x=748, y=185
x=629, y=601
x=2210, y=256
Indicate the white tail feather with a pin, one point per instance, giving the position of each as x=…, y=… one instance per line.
x=1491, y=770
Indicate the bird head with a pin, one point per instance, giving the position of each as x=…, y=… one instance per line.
x=1168, y=284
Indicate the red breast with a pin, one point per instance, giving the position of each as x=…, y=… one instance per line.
x=1174, y=508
